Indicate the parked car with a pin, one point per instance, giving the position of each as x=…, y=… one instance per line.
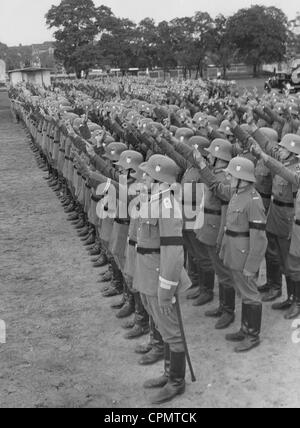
x=3, y=87
x=284, y=81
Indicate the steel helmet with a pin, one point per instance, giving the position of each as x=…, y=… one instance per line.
x=184, y=134
x=225, y=128
x=242, y=168
x=130, y=159
x=114, y=150
x=246, y=128
x=279, y=108
x=270, y=133
x=291, y=142
x=221, y=149
x=213, y=121
x=199, y=143
x=94, y=127
x=199, y=117
x=162, y=168
x=293, y=109
x=139, y=174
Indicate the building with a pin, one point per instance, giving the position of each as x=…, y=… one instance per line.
x=38, y=76
x=294, y=25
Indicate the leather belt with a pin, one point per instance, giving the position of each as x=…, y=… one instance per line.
x=237, y=234
x=144, y=251
x=124, y=222
x=132, y=243
x=265, y=195
x=283, y=204
x=213, y=212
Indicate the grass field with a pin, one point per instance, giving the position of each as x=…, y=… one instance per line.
x=251, y=83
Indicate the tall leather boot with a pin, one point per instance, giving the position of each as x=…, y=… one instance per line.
x=128, y=307
x=96, y=250
x=269, y=271
x=218, y=312
x=228, y=316
x=157, y=352
x=207, y=293
x=161, y=381
x=282, y=306
x=176, y=381
x=241, y=334
x=101, y=261
x=275, y=278
x=116, y=287
x=252, y=327
x=90, y=240
x=141, y=320
x=294, y=311
x=106, y=277
x=195, y=275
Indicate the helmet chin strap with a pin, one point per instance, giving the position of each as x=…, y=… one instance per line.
x=238, y=185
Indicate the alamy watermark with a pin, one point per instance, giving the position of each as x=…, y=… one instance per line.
x=161, y=200
x=296, y=333
x=2, y=332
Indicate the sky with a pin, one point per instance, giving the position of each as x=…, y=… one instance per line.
x=22, y=21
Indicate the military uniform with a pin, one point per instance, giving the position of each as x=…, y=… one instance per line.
x=195, y=249
x=160, y=275
x=281, y=215
x=293, y=258
x=244, y=244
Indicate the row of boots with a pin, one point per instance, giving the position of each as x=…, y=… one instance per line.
x=151, y=352
x=273, y=290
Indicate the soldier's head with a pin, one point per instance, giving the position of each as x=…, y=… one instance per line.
x=241, y=172
x=219, y=152
x=225, y=129
x=293, y=110
x=199, y=143
x=130, y=161
x=139, y=175
x=270, y=134
x=184, y=134
x=161, y=169
x=114, y=150
x=289, y=146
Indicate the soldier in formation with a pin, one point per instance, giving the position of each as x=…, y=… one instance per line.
x=175, y=186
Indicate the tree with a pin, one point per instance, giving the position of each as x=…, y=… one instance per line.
x=260, y=34
x=182, y=30
x=165, y=54
x=77, y=26
x=148, y=38
x=224, y=50
x=203, y=36
x=118, y=42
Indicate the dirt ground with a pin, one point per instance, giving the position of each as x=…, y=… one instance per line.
x=65, y=348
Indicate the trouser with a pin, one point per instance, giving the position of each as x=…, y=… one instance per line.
x=193, y=270
x=245, y=287
x=223, y=273
x=277, y=253
x=168, y=326
x=141, y=317
x=199, y=261
x=294, y=267
x=226, y=287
